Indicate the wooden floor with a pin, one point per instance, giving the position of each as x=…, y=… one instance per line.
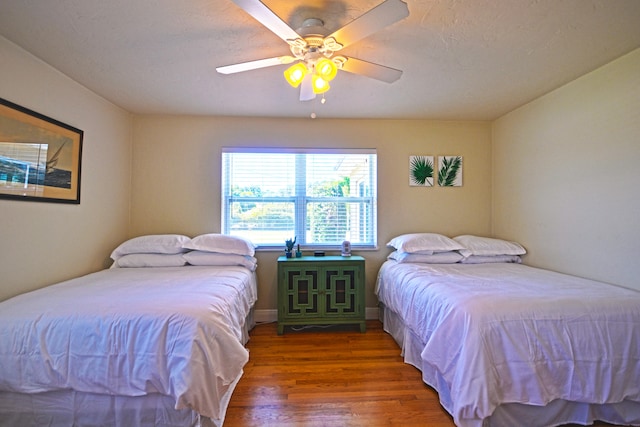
x=331, y=377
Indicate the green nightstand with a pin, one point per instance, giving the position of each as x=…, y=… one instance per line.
x=324, y=290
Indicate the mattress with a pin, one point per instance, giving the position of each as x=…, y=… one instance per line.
x=171, y=334
x=489, y=335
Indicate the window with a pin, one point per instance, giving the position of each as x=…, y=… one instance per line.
x=321, y=197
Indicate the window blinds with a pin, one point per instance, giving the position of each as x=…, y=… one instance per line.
x=320, y=196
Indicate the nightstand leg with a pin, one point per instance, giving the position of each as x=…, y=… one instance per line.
x=363, y=327
x=280, y=329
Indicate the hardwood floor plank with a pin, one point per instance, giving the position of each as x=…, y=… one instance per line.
x=332, y=377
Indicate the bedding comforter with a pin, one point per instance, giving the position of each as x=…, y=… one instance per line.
x=174, y=331
x=505, y=333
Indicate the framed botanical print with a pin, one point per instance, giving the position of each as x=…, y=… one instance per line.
x=450, y=171
x=421, y=171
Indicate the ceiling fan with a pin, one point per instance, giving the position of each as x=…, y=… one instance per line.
x=313, y=51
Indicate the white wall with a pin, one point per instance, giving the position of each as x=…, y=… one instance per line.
x=566, y=175
x=42, y=243
x=176, y=176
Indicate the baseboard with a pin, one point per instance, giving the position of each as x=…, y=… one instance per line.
x=372, y=313
x=271, y=315
x=265, y=316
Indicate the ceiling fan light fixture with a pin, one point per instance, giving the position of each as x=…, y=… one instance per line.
x=314, y=50
x=326, y=69
x=319, y=85
x=295, y=74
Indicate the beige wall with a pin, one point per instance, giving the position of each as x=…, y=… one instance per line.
x=42, y=243
x=558, y=175
x=566, y=175
x=176, y=176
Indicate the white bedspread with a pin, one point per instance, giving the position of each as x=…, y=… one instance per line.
x=175, y=331
x=500, y=333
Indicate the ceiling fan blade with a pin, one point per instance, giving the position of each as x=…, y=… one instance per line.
x=306, y=89
x=384, y=14
x=253, y=65
x=369, y=69
x=266, y=17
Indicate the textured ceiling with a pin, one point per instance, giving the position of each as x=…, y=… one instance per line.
x=462, y=59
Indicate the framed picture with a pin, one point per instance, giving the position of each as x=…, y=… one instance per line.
x=40, y=157
x=421, y=171
x=450, y=171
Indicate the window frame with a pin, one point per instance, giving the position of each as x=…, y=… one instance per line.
x=301, y=200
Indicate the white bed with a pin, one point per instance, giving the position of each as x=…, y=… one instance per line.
x=159, y=346
x=505, y=344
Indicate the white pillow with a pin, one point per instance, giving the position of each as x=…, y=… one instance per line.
x=482, y=259
x=450, y=257
x=212, y=258
x=474, y=245
x=424, y=243
x=152, y=244
x=151, y=260
x=221, y=243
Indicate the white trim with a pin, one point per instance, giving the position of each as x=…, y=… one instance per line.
x=372, y=313
x=266, y=316
x=298, y=150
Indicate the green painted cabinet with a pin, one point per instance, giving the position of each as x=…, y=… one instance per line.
x=321, y=291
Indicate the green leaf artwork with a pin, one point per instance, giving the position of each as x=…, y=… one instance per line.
x=450, y=171
x=421, y=171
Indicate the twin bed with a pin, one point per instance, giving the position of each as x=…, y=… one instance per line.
x=506, y=344
x=158, y=340
x=158, y=343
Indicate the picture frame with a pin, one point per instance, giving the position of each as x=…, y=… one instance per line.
x=450, y=171
x=40, y=157
x=421, y=169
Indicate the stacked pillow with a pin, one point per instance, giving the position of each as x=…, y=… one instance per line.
x=158, y=250
x=484, y=249
x=433, y=248
x=175, y=250
x=429, y=248
x=221, y=249
x=437, y=258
